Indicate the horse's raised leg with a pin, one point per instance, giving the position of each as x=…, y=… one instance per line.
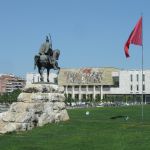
x=48, y=74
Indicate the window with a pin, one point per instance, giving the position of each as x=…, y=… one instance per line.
x=83, y=88
x=69, y=88
x=76, y=88
x=143, y=87
x=90, y=96
x=83, y=96
x=137, y=77
x=131, y=77
x=131, y=87
x=90, y=88
x=143, y=77
x=97, y=88
x=116, y=81
x=137, y=87
x=76, y=96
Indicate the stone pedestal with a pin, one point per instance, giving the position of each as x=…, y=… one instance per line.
x=37, y=105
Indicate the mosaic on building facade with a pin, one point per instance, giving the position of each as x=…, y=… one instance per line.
x=87, y=76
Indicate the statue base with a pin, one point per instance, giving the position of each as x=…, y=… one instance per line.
x=37, y=105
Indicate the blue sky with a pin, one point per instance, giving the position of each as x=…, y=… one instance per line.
x=89, y=33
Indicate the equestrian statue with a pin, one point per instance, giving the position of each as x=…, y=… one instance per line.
x=46, y=59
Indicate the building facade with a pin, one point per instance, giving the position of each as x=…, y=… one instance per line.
x=85, y=83
x=10, y=82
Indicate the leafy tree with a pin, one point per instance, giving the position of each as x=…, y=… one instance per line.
x=68, y=99
x=98, y=98
x=10, y=97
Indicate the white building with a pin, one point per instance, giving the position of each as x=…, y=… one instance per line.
x=35, y=77
x=130, y=82
x=83, y=83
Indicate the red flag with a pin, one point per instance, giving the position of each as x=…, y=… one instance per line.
x=135, y=37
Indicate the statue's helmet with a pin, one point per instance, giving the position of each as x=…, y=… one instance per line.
x=47, y=39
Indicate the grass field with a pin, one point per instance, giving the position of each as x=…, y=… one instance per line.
x=94, y=132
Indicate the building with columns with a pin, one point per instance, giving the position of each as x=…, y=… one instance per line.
x=90, y=83
x=83, y=83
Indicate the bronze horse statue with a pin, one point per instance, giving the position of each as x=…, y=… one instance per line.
x=47, y=62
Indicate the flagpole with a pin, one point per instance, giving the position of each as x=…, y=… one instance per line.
x=136, y=37
x=142, y=84
x=142, y=70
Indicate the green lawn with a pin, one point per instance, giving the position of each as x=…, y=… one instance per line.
x=94, y=132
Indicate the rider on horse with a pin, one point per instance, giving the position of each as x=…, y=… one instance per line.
x=47, y=59
x=46, y=53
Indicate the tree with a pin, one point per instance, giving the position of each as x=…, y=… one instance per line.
x=10, y=97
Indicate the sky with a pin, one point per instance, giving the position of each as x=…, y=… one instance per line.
x=88, y=33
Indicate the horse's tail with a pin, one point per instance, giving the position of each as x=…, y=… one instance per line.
x=36, y=58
